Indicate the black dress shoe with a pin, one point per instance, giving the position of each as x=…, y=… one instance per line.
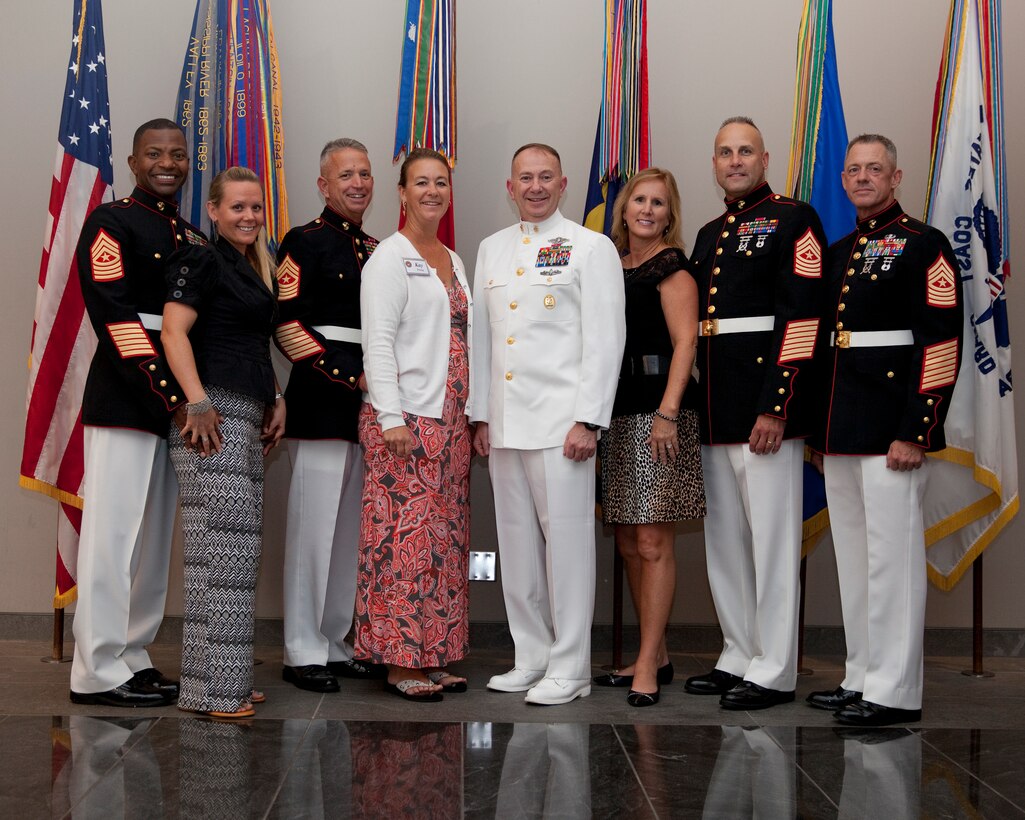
x=663, y=677
x=154, y=678
x=715, y=682
x=129, y=694
x=643, y=698
x=866, y=713
x=312, y=678
x=834, y=700
x=358, y=669
x=749, y=695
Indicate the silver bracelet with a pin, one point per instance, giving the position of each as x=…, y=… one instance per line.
x=200, y=407
x=279, y=395
x=662, y=415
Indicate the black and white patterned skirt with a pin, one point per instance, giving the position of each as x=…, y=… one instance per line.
x=222, y=522
x=638, y=490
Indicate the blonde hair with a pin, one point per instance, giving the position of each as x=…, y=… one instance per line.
x=256, y=254
x=672, y=235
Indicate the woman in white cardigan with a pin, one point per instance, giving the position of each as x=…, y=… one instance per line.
x=411, y=604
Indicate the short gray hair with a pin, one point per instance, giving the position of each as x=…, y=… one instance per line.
x=341, y=144
x=886, y=142
x=739, y=121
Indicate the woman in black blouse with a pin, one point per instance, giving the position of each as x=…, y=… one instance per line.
x=650, y=456
x=221, y=309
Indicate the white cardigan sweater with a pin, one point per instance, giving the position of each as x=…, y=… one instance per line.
x=406, y=325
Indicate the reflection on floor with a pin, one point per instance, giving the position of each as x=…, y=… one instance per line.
x=362, y=753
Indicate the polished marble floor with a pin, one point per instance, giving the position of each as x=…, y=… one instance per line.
x=362, y=753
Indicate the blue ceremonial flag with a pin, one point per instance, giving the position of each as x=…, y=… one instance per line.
x=600, y=194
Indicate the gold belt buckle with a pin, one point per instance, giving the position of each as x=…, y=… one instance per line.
x=710, y=327
x=843, y=338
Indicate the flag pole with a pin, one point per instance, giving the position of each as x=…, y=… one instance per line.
x=977, y=670
x=57, y=648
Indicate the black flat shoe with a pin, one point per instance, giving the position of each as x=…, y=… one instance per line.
x=837, y=699
x=747, y=695
x=715, y=682
x=129, y=694
x=663, y=677
x=312, y=678
x=643, y=698
x=866, y=713
x=153, y=677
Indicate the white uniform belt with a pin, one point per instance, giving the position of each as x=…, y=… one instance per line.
x=741, y=324
x=151, y=321
x=340, y=334
x=871, y=338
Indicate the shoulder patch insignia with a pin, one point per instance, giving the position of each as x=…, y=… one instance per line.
x=799, y=340
x=939, y=365
x=296, y=342
x=808, y=256
x=941, y=286
x=131, y=340
x=288, y=279
x=105, y=255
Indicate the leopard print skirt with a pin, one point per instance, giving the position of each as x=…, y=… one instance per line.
x=637, y=490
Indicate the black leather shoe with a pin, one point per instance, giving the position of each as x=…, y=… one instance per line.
x=837, y=699
x=749, y=695
x=866, y=713
x=715, y=682
x=153, y=677
x=129, y=694
x=358, y=669
x=643, y=698
x=312, y=678
x=663, y=677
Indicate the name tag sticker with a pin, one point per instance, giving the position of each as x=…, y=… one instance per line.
x=417, y=267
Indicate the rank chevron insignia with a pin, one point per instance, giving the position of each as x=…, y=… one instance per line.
x=808, y=256
x=941, y=287
x=288, y=279
x=105, y=255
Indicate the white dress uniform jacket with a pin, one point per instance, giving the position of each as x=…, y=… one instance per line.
x=550, y=331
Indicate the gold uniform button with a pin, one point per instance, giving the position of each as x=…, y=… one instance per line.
x=174, y=398
x=874, y=276
x=905, y=219
x=781, y=391
x=759, y=360
x=163, y=382
x=930, y=402
x=334, y=371
x=178, y=236
x=713, y=291
x=889, y=374
x=526, y=240
x=711, y=308
x=321, y=363
x=786, y=374
x=513, y=306
x=549, y=280
x=926, y=419
x=841, y=307
x=519, y=271
x=715, y=271
x=359, y=255
x=863, y=241
x=850, y=271
x=839, y=325
x=725, y=234
x=152, y=367
x=857, y=255
x=345, y=226
x=921, y=438
x=871, y=223
x=845, y=288
x=126, y=200
x=731, y=219
x=357, y=241
x=317, y=220
x=160, y=206
x=174, y=221
x=748, y=253
x=718, y=251
x=510, y=341
x=156, y=256
x=508, y=375
x=352, y=379
x=777, y=408
x=740, y=204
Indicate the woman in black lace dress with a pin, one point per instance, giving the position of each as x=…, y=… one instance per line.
x=650, y=456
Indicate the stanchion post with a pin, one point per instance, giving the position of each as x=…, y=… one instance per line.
x=977, y=670
x=57, y=648
x=801, y=669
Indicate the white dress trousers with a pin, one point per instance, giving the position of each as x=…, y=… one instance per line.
x=753, y=556
x=123, y=555
x=544, y=513
x=321, y=544
x=879, y=537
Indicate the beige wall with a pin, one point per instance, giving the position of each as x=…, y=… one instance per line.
x=527, y=71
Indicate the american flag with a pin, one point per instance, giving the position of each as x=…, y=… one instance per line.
x=62, y=339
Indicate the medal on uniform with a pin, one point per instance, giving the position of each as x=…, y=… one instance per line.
x=549, y=302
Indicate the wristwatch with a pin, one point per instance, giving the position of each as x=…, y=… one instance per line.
x=591, y=427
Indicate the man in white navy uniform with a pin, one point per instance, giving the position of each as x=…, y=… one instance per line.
x=319, y=274
x=894, y=316
x=130, y=487
x=549, y=338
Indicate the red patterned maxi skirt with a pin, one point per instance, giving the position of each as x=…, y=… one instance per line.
x=412, y=588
